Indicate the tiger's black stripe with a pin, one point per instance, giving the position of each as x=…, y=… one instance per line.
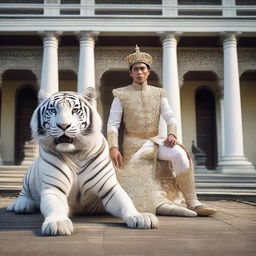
x=109, y=191
x=98, y=172
x=99, y=181
x=53, y=185
x=109, y=199
x=106, y=180
x=93, y=159
x=48, y=175
x=57, y=168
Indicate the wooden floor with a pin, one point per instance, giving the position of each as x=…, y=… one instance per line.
x=231, y=232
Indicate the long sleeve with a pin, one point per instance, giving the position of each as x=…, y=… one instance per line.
x=114, y=120
x=168, y=116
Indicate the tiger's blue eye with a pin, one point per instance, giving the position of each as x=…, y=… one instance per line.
x=75, y=110
x=53, y=111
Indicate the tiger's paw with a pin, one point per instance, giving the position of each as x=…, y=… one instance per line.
x=142, y=221
x=53, y=226
x=22, y=205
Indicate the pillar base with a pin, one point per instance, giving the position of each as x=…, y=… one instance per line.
x=235, y=165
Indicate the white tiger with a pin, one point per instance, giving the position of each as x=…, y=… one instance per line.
x=73, y=173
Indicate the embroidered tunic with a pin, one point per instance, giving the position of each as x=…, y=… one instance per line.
x=146, y=182
x=140, y=106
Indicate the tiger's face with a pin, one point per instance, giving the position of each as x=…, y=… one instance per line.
x=64, y=121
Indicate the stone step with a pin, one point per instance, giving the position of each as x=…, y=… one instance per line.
x=226, y=185
x=224, y=181
x=13, y=168
x=223, y=177
x=209, y=186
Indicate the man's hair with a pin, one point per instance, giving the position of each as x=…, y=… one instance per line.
x=140, y=62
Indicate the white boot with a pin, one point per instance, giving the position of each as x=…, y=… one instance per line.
x=186, y=184
x=168, y=209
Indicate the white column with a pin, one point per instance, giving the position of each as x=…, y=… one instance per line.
x=233, y=160
x=170, y=77
x=86, y=72
x=50, y=75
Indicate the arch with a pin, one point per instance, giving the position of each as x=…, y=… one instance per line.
x=18, y=74
x=26, y=102
x=200, y=76
x=248, y=75
x=206, y=124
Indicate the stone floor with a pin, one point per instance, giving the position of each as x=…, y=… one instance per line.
x=231, y=232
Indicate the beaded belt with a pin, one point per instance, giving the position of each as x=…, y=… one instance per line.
x=142, y=135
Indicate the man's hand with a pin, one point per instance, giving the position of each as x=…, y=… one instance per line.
x=171, y=141
x=116, y=157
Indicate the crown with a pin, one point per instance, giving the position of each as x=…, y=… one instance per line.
x=139, y=56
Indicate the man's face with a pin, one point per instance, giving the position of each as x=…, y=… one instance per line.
x=139, y=72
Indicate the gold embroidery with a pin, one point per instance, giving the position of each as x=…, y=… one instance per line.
x=112, y=139
x=171, y=129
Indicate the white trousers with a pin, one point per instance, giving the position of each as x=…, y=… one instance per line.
x=176, y=155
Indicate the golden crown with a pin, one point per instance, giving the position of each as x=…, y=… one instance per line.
x=139, y=56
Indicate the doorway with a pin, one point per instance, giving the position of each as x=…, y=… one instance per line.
x=26, y=102
x=206, y=125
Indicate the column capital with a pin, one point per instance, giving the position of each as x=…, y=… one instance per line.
x=227, y=37
x=89, y=35
x=170, y=35
x=50, y=34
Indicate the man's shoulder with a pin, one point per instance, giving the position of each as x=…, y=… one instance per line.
x=116, y=92
x=157, y=90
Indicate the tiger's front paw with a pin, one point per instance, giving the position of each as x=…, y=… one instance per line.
x=22, y=205
x=142, y=221
x=53, y=226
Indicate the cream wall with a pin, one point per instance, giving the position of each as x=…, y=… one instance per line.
x=188, y=108
x=248, y=101
x=9, y=89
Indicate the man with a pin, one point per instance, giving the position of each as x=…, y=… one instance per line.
x=140, y=105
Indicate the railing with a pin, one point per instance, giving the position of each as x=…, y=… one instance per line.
x=128, y=8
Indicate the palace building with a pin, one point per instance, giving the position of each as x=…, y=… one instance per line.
x=204, y=55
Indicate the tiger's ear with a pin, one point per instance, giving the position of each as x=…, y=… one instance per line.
x=90, y=94
x=43, y=95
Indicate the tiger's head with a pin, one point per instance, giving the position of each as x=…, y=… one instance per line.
x=66, y=121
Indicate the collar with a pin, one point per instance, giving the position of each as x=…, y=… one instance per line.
x=139, y=87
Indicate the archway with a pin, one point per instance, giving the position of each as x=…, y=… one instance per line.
x=26, y=102
x=206, y=124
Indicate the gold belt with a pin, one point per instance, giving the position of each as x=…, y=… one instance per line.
x=142, y=135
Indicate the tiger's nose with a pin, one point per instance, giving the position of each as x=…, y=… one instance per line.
x=63, y=126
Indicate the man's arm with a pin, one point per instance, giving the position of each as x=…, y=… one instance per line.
x=114, y=121
x=169, y=118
